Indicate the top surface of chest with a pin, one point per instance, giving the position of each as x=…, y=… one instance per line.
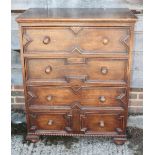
x=76, y=14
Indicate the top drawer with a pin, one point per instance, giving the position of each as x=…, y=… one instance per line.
x=88, y=40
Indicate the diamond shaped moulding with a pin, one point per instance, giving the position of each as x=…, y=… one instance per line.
x=26, y=40
x=76, y=89
x=30, y=95
x=125, y=40
x=122, y=97
x=76, y=51
x=76, y=30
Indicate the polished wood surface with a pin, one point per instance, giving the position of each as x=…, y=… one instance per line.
x=76, y=14
x=86, y=96
x=79, y=71
x=55, y=122
x=76, y=71
x=96, y=122
x=93, y=39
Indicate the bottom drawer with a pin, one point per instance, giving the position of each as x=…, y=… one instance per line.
x=76, y=121
x=48, y=121
x=101, y=123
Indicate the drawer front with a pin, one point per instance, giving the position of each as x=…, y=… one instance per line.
x=86, y=96
x=102, y=123
x=47, y=95
x=104, y=40
x=89, y=40
x=103, y=96
x=48, y=121
x=77, y=71
x=57, y=39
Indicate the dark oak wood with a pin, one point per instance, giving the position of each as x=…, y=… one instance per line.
x=53, y=122
x=67, y=95
x=94, y=123
x=76, y=71
x=86, y=39
x=65, y=70
x=78, y=14
x=120, y=141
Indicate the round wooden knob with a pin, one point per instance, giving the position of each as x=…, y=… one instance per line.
x=49, y=98
x=101, y=124
x=102, y=99
x=104, y=70
x=46, y=40
x=50, y=122
x=105, y=41
x=48, y=69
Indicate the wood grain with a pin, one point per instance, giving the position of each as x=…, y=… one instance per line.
x=67, y=95
x=87, y=39
x=100, y=123
x=93, y=69
x=72, y=85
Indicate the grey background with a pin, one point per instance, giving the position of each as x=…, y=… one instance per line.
x=20, y=5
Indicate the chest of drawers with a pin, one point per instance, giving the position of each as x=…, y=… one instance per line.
x=76, y=71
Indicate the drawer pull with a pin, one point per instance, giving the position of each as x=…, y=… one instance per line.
x=49, y=98
x=48, y=69
x=101, y=124
x=105, y=41
x=46, y=40
x=102, y=98
x=50, y=122
x=104, y=70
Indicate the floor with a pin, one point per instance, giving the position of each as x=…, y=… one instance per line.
x=76, y=145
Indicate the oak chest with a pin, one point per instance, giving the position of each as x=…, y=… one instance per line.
x=76, y=71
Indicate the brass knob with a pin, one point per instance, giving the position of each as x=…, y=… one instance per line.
x=105, y=41
x=48, y=69
x=101, y=124
x=50, y=122
x=104, y=70
x=102, y=98
x=46, y=40
x=49, y=98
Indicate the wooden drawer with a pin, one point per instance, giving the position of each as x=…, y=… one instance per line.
x=98, y=123
x=77, y=71
x=55, y=121
x=86, y=96
x=56, y=39
x=90, y=40
x=104, y=40
x=48, y=95
x=103, y=96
